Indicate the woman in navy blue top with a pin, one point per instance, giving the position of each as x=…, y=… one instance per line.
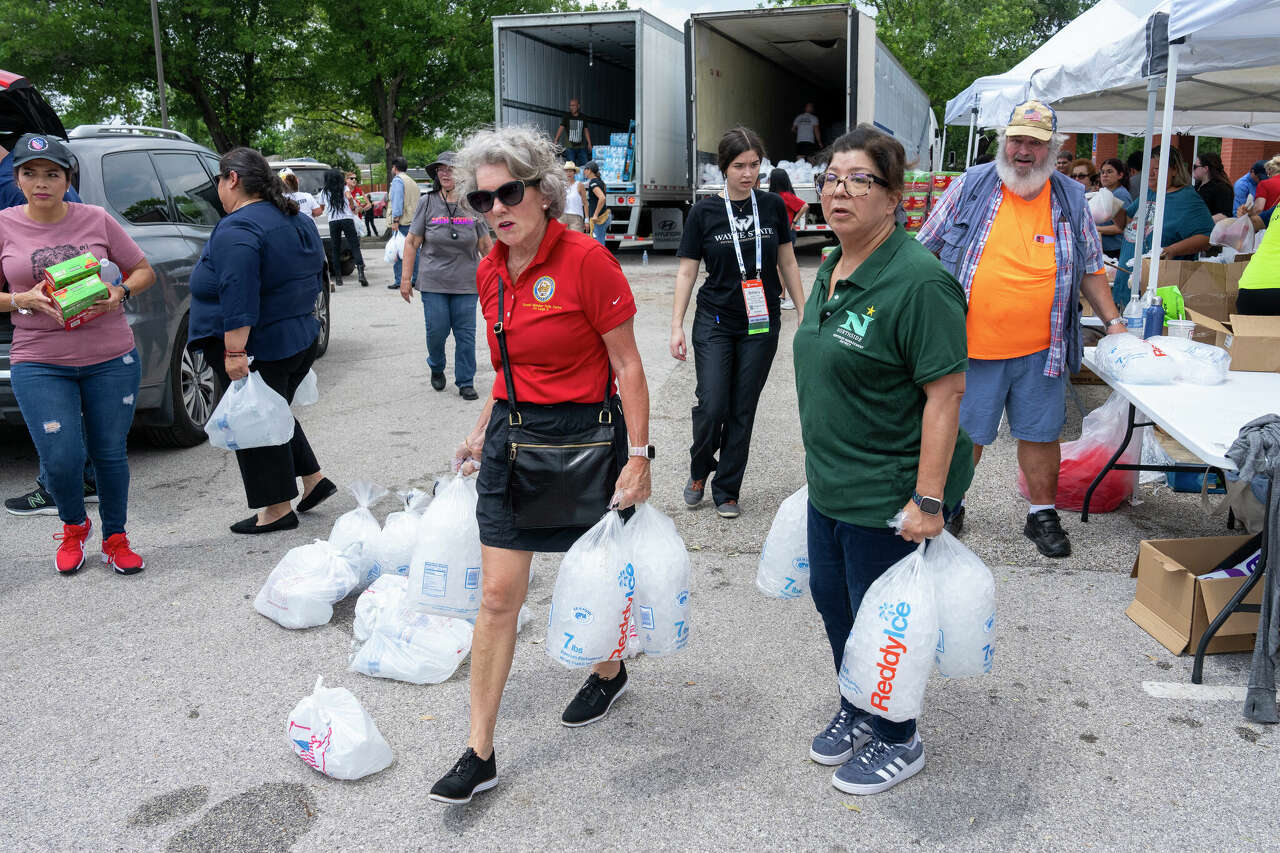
x=253, y=293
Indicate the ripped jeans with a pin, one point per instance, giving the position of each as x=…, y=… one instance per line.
x=69, y=409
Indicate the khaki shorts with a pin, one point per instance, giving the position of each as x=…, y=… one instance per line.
x=573, y=221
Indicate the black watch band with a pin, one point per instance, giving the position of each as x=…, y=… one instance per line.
x=929, y=506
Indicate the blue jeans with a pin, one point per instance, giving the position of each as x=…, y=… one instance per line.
x=69, y=409
x=456, y=312
x=579, y=156
x=399, y=264
x=598, y=231
x=844, y=560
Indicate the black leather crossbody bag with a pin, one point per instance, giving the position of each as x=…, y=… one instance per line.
x=556, y=480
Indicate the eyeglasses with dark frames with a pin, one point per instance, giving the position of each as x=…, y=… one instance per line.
x=855, y=185
x=510, y=194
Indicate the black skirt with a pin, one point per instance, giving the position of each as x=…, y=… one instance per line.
x=493, y=512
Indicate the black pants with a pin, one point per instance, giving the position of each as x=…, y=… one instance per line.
x=270, y=473
x=347, y=228
x=732, y=368
x=369, y=222
x=1258, y=300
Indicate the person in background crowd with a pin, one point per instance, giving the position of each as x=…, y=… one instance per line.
x=744, y=237
x=984, y=157
x=309, y=207
x=359, y=201
x=1133, y=169
x=563, y=363
x=575, y=199
x=808, y=131
x=403, y=195
x=253, y=293
x=1259, y=291
x=780, y=184
x=1247, y=185
x=1187, y=223
x=69, y=383
x=370, y=219
x=598, y=214
x=452, y=242
x=1064, y=161
x=1269, y=189
x=340, y=208
x=1213, y=185
x=1082, y=171
x=880, y=365
x=1112, y=176
x=1019, y=237
x=577, y=136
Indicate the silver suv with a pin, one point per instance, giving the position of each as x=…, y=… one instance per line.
x=159, y=185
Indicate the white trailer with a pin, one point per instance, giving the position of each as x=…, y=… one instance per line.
x=759, y=67
x=624, y=67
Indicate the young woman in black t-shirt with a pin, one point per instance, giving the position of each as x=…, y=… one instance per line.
x=744, y=237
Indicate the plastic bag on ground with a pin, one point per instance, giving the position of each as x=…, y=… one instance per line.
x=415, y=501
x=590, y=619
x=1152, y=454
x=332, y=733
x=386, y=595
x=1130, y=359
x=964, y=593
x=1082, y=459
x=662, y=572
x=308, y=391
x=1103, y=205
x=359, y=527
x=301, y=590
x=420, y=648
x=444, y=573
x=889, y=654
x=395, y=248
x=784, y=561
x=250, y=414
x=392, y=550
x=1199, y=364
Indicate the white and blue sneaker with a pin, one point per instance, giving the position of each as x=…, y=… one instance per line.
x=878, y=766
x=836, y=743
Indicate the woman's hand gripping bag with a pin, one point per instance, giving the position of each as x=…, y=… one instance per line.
x=250, y=414
x=784, y=560
x=444, y=574
x=660, y=608
x=965, y=596
x=590, y=620
x=358, y=527
x=303, y=587
x=333, y=734
x=889, y=655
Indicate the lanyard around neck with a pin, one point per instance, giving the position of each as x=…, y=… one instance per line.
x=733, y=232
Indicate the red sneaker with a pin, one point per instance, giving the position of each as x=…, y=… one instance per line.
x=117, y=554
x=70, y=556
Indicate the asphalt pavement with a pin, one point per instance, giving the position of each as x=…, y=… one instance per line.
x=149, y=712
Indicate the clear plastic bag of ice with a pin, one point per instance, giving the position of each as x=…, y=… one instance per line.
x=783, y=571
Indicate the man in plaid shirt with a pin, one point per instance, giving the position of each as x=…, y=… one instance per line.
x=1019, y=237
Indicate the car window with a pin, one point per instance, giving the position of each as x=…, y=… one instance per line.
x=132, y=187
x=310, y=180
x=194, y=195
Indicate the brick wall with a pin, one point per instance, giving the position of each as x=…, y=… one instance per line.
x=1239, y=155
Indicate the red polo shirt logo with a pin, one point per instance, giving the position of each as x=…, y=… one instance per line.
x=544, y=288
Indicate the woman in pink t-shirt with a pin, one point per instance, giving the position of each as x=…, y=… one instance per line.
x=85, y=377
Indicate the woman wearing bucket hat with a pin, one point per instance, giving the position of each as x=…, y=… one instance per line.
x=575, y=199
x=451, y=240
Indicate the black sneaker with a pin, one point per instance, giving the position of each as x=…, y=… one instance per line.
x=37, y=502
x=595, y=698
x=469, y=776
x=437, y=380
x=468, y=393
x=1044, y=529
x=955, y=524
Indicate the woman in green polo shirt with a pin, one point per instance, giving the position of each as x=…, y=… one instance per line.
x=880, y=358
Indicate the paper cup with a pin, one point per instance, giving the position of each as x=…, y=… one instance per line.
x=1181, y=328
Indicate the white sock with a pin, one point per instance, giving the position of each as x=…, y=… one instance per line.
x=964, y=499
x=1034, y=508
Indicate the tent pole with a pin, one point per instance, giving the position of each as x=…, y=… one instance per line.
x=1166, y=142
x=940, y=163
x=973, y=123
x=1143, y=205
x=1195, y=148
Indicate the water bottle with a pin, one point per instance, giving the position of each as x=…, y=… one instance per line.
x=1153, y=317
x=1133, y=315
x=109, y=272
x=644, y=258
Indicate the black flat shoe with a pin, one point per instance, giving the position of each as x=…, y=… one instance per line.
x=289, y=521
x=468, y=393
x=324, y=490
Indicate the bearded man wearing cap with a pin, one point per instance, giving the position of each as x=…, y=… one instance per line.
x=1019, y=237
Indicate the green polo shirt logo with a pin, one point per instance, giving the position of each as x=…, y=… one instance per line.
x=858, y=323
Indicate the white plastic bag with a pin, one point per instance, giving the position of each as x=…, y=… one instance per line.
x=250, y=414
x=1235, y=232
x=444, y=573
x=358, y=527
x=332, y=733
x=590, y=619
x=301, y=590
x=1199, y=364
x=308, y=391
x=395, y=248
x=385, y=595
x=784, y=561
x=889, y=654
x=964, y=595
x=1135, y=361
x=392, y=550
x=662, y=572
x=419, y=648
x=1153, y=454
x=1103, y=205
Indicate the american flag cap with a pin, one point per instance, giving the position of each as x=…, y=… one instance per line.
x=1033, y=118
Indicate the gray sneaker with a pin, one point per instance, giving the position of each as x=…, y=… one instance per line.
x=693, y=491
x=836, y=743
x=879, y=765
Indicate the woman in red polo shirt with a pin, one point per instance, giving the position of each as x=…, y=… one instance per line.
x=566, y=312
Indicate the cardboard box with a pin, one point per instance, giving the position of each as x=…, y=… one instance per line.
x=1253, y=341
x=1207, y=287
x=1175, y=606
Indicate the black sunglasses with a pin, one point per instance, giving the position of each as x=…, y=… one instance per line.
x=510, y=194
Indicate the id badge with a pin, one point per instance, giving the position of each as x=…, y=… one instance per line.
x=757, y=306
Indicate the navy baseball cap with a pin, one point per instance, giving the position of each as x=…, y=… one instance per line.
x=1259, y=169
x=36, y=146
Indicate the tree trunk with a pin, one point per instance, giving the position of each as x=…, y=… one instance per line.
x=194, y=86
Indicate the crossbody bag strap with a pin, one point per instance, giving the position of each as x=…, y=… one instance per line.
x=500, y=332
